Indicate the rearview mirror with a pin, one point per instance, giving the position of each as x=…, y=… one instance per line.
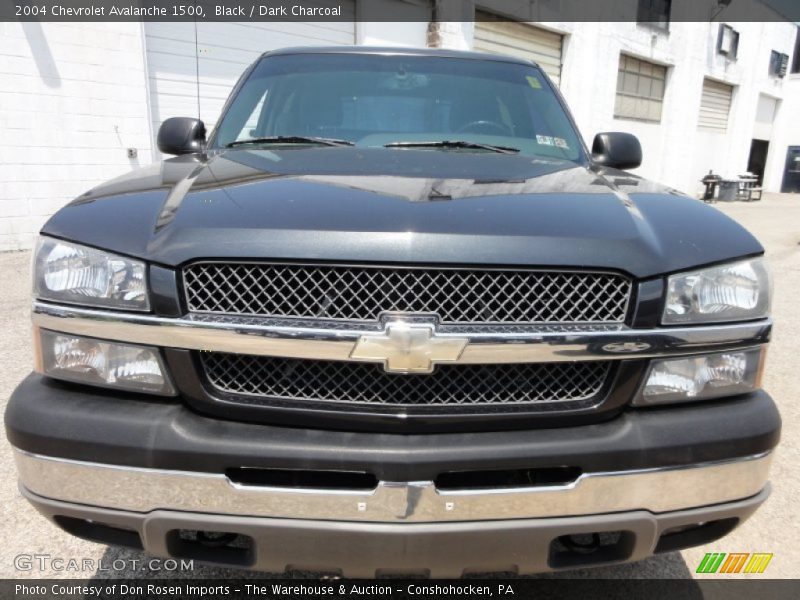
x=617, y=150
x=182, y=135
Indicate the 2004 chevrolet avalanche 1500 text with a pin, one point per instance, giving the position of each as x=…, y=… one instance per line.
x=392, y=316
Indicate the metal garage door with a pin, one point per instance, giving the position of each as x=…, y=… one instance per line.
x=715, y=105
x=521, y=40
x=224, y=50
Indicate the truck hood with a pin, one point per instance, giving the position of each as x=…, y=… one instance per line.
x=400, y=206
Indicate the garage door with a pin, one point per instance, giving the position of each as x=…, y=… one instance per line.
x=520, y=40
x=715, y=105
x=224, y=50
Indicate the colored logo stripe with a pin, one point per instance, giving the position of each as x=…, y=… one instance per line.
x=711, y=562
x=714, y=562
x=758, y=562
x=734, y=562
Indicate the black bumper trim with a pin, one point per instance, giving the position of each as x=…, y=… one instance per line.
x=55, y=419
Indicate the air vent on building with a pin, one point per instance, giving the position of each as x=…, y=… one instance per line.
x=778, y=64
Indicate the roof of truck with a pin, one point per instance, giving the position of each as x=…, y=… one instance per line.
x=397, y=50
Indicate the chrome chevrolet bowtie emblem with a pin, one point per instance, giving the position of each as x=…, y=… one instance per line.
x=408, y=348
x=626, y=347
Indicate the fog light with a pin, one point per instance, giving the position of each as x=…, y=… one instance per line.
x=701, y=377
x=107, y=364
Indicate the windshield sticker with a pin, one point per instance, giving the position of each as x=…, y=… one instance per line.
x=561, y=143
x=534, y=82
x=544, y=140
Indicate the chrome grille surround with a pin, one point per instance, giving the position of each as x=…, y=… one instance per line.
x=263, y=379
x=365, y=293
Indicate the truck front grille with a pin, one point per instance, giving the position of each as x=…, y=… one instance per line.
x=363, y=293
x=260, y=379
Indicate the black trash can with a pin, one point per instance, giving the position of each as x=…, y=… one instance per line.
x=728, y=190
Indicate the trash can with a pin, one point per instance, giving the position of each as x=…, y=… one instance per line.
x=728, y=189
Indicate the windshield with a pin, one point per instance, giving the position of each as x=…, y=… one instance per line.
x=402, y=102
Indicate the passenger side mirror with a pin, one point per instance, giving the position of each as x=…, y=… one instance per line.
x=617, y=150
x=182, y=135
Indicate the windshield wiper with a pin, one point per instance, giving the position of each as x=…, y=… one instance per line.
x=291, y=139
x=454, y=144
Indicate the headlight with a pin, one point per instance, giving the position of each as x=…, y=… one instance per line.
x=75, y=274
x=107, y=364
x=702, y=377
x=733, y=292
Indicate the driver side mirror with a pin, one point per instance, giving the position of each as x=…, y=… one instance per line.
x=182, y=135
x=617, y=150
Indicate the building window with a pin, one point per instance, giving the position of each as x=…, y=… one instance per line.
x=796, y=55
x=778, y=64
x=715, y=105
x=728, y=41
x=654, y=13
x=640, y=89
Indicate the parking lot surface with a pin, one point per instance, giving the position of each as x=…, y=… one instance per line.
x=775, y=221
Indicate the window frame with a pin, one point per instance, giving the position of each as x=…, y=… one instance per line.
x=622, y=72
x=734, y=52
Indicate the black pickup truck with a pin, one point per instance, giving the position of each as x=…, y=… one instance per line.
x=392, y=316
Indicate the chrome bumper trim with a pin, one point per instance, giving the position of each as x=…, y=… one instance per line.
x=144, y=490
x=510, y=345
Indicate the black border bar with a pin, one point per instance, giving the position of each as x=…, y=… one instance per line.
x=392, y=10
x=237, y=588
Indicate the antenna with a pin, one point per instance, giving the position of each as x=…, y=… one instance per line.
x=197, y=66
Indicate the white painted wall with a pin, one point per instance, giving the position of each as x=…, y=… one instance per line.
x=72, y=99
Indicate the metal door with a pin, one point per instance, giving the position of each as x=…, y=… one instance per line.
x=791, y=173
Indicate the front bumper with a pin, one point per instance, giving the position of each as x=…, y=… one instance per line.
x=438, y=550
x=129, y=470
x=145, y=490
x=50, y=418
